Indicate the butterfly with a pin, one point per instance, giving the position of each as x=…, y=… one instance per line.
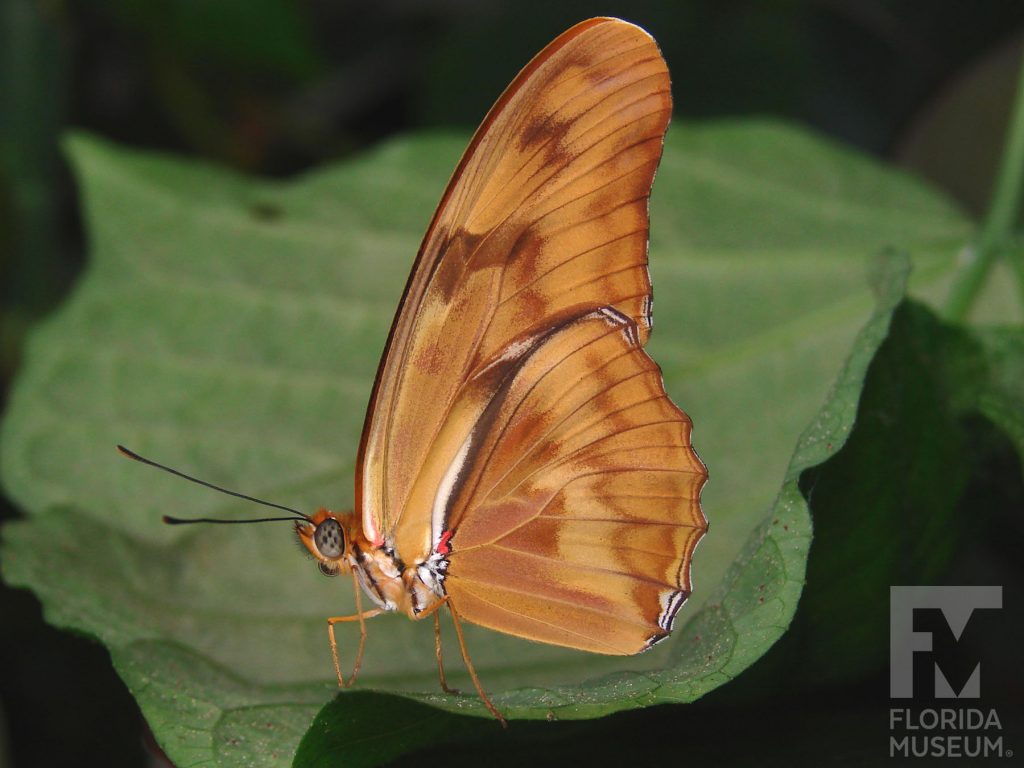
x=521, y=465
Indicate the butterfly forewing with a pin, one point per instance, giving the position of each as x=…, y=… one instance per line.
x=546, y=211
x=515, y=412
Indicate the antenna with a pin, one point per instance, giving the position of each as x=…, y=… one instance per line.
x=182, y=521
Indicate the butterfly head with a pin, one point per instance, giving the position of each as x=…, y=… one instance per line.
x=327, y=537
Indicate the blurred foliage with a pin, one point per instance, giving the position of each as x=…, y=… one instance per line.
x=274, y=87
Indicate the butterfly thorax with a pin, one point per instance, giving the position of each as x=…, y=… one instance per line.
x=394, y=586
x=337, y=541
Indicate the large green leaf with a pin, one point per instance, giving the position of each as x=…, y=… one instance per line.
x=232, y=327
x=883, y=512
x=940, y=404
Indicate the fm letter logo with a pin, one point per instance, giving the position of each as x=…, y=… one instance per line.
x=957, y=605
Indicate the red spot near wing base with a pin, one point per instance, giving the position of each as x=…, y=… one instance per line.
x=442, y=544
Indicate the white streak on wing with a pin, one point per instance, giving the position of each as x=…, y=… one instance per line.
x=442, y=498
x=671, y=603
x=369, y=523
x=617, y=320
x=515, y=350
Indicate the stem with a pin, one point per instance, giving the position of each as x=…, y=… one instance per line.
x=997, y=229
x=1015, y=255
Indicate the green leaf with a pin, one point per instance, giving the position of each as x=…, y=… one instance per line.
x=231, y=327
x=940, y=407
x=371, y=730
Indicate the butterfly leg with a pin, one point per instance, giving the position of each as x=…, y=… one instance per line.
x=440, y=657
x=433, y=611
x=361, y=616
x=472, y=672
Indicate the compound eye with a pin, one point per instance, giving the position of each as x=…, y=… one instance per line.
x=329, y=538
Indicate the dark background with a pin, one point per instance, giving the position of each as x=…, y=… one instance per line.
x=274, y=87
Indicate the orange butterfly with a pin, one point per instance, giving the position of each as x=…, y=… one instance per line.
x=521, y=462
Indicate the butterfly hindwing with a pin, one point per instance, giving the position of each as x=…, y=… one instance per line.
x=576, y=510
